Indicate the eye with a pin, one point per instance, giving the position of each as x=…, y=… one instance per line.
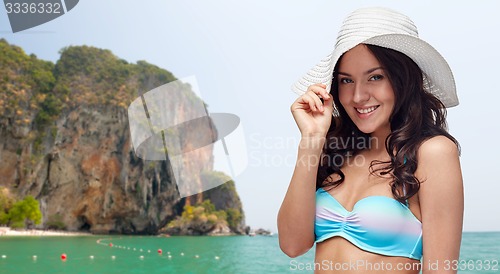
x=376, y=77
x=345, y=80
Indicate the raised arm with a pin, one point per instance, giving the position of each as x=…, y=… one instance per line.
x=296, y=215
x=441, y=204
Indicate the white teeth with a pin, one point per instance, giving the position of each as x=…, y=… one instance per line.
x=366, y=110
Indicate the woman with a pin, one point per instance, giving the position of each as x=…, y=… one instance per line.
x=378, y=188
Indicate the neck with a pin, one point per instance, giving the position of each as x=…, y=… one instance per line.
x=377, y=141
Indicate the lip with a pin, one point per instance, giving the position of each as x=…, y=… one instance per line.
x=366, y=115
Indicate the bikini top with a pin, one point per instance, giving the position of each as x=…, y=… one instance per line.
x=377, y=224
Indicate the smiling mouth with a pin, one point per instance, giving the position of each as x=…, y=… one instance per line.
x=366, y=110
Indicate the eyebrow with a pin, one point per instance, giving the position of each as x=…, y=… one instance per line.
x=367, y=72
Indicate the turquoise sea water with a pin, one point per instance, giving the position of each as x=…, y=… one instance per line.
x=230, y=254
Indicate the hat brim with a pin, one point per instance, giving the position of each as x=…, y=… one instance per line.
x=438, y=77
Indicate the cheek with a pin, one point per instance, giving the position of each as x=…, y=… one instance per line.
x=344, y=97
x=386, y=95
x=391, y=99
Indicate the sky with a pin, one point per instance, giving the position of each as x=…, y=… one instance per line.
x=245, y=56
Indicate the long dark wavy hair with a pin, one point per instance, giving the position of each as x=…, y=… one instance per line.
x=417, y=116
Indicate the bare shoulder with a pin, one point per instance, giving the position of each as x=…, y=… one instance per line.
x=438, y=148
x=438, y=157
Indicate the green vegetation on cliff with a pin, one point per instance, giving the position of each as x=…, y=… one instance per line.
x=35, y=92
x=24, y=84
x=225, y=198
x=95, y=76
x=18, y=214
x=202, y=213
x=202, y=218
x=220, y=207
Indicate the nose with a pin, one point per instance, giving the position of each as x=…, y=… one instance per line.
x=361, y=94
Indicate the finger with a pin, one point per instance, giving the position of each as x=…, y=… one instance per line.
x=328, y=106
x=306, y=102
x=314, y=101
x=316, y=95
x=301, y=103
x=320, y=90
x=321, y=93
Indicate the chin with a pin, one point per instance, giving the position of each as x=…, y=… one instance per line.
x=370, y=127
x=366, y=130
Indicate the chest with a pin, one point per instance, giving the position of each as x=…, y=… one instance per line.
x=360, y=182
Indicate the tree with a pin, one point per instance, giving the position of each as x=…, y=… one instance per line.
x=25, y=211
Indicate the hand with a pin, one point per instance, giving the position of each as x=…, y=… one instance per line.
x=313, y=117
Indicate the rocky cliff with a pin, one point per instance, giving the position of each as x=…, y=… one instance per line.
x=64, y=139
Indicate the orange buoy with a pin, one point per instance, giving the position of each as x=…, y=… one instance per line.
x=63, y=256
x=160, y=251
x=110, y=244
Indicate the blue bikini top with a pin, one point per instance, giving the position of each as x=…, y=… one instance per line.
x=377, y=224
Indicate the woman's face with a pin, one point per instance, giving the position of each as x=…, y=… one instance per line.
x=365, y=91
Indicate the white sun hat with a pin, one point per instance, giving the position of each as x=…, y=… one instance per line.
x=389, y=29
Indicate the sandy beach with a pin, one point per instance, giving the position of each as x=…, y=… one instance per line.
x=7, y=231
